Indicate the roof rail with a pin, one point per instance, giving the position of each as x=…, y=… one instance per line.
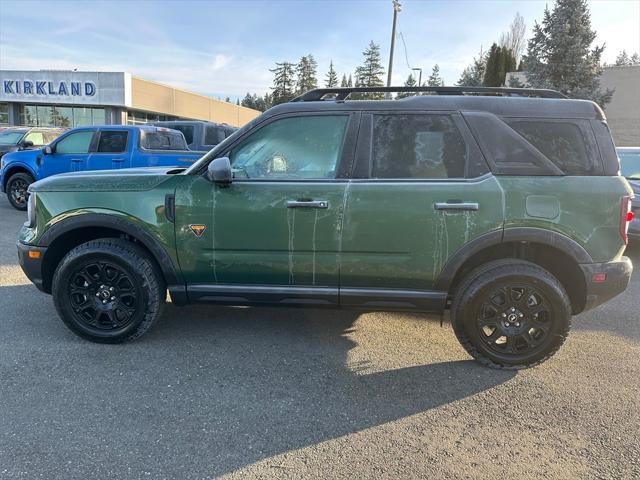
x=342, y=93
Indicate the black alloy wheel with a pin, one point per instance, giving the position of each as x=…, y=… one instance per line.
x=104, y=297
x=17, y=190
x=511, y=314
x=108, y=290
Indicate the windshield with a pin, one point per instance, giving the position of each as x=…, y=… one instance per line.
x=630, y=164
x=11, y=137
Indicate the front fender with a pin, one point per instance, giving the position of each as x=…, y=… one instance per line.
x=150, y=236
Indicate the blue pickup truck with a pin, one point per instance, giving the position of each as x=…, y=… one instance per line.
x=93, y=148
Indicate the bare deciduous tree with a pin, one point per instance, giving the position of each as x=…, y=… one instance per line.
x=514, y=38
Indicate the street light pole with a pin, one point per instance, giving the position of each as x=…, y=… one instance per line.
x=420, y=79
x=396, y=9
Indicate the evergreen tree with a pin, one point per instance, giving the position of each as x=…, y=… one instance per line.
x=343, y=83
x=371, y=72
x=473, y=74
x=331, y=79
x=248, y=101
x=410, y=82
x=624, y=60
x=500, y=62
x=349, y=81
x=560, y=55
x=435, y=80
x=306, y=72
x=283, y=82
x=228, y=100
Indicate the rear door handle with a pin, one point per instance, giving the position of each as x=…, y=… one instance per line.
x=457, y=206
x=307, y=204
x=118, y=160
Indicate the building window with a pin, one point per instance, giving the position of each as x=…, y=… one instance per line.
x=4, y=113
x=138, y=117
x=54, y=116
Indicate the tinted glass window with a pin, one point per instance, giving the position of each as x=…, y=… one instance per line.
x=564, y=143
x=417, y=146
x=163, y=140
x=294, y=148
x=75, y=143
x=630, y=164
x=36, y=137
x=213, y=135
x=187, y=131
x=113, y=142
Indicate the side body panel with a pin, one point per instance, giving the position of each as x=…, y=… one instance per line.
x=394, y=237
x=251, y=237
x=585, y=209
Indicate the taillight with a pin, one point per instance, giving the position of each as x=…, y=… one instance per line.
x=626, y=215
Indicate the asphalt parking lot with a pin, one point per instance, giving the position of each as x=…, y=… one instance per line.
x=300, y=393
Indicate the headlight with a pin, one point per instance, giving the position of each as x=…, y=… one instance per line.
x=31, y=211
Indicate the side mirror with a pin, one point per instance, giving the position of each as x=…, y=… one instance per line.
x=26, y=144
x=219, y=171
x=47, y=150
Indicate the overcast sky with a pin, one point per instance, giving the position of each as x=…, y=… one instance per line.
x=225, y=48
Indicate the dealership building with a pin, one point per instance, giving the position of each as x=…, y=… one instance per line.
x=64, y=98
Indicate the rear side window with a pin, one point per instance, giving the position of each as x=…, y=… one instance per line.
x=163, y=140
x=568, y=144
x=418, y=147
x=113, y=142
x=213, y=135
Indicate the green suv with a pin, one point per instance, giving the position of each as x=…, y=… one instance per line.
x=504, y=206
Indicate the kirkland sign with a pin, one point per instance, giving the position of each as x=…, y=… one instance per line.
x=66, y=87
x=48, y=88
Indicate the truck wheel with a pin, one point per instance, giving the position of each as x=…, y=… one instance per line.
x=108, y=291
x=511, y=314
x=17, y=190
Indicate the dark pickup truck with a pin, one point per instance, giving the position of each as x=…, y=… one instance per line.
x=201, y=136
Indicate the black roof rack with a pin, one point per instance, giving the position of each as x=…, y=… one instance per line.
x=343, y=93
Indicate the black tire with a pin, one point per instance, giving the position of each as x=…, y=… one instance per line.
x=108, y=291
x=17, y=190
x=511, y=314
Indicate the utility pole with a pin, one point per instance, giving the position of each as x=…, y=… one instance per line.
x=396, y=9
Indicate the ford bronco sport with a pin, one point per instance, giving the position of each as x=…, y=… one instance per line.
x=503, y=205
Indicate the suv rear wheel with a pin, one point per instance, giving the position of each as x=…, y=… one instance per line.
x=108, y=291
x=17, y=190
x=511, y=314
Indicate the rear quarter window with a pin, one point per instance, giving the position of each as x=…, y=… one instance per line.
x=569, y=144
x=162, y=140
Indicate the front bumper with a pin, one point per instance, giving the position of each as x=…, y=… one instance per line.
x=617, y=278
x=32, y=266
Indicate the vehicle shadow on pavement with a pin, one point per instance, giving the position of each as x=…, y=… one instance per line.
x=208, y=391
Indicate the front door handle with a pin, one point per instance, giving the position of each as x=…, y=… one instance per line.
x=457, y=206
x=307, y=204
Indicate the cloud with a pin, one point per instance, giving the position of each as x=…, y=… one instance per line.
x=220, y=61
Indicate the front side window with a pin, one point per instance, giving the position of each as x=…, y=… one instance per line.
x=417, y=147
x=213, y=135
x=113, y=142
x=37, y=138
x=294, y=148
x=78, y=142
x=187, y=131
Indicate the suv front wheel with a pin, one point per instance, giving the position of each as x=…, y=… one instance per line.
x=511, y=314
x=17, y=193
x=108, y=291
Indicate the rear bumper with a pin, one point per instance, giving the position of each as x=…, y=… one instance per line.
x=32, y=267
x=617, y=273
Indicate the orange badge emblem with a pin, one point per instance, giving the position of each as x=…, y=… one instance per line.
x=198, y=230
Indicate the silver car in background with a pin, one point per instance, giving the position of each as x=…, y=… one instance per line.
x=630, y=169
